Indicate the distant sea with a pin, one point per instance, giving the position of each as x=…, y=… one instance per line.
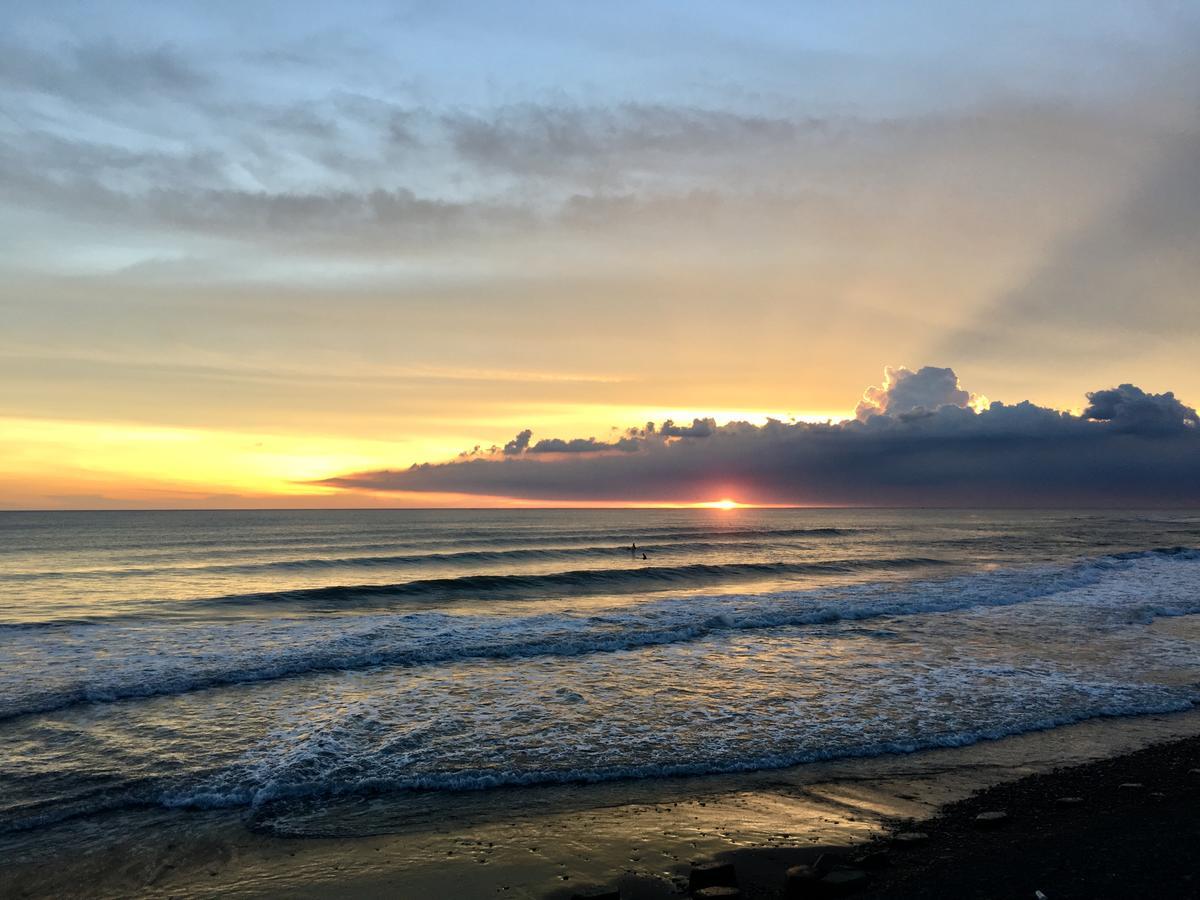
x=264, y=661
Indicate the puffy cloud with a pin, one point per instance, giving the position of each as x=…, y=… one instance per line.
x=923, y=444
x=580, y=445
x=905, y=392
x=519, y=444
x=698, y=428
x=1131, y=409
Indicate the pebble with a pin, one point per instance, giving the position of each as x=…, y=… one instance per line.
x=1132, y=786
x=910, y=837
x=809, y=883
x=841, y=882
x=878, y=859
x=717, y=892
x=1069, y=801
x=991, y=819
x=798, y=876
x=712, y=875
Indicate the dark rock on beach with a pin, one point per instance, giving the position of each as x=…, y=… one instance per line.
x=873, y=861
x=991, y=819
x=713, y=874
x=843, y=882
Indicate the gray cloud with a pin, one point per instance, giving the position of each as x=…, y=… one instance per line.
x=1133, y=264
x=218, y=150
x=100, y=71
x=581, y=445
x=519, y=444
x=698, y=428
x=1129, y=408
x=543, y=139
x=1129, y=448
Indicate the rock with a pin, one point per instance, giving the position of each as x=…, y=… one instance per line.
x=842, y=882
x=718, y=892
x=799, y=882
x=802, y=873
x=878, y=859
x=1069, y=801
x=1132, y=786
x=827, y=862
x=712, y=875
x=808, y=883
x=991, y=819
x=607, y=895
x=910, y=837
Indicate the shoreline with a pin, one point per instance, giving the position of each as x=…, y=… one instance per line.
x=643, y=837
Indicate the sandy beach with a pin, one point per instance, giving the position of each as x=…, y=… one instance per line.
x=642, y=839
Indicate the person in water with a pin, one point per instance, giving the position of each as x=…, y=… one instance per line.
x=643, y=556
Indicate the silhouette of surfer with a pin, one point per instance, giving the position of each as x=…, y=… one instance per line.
x=643, y=556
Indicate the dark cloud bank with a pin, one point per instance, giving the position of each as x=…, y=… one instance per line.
x=919, y=440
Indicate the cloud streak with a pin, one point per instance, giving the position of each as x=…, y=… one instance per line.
x=917, y=441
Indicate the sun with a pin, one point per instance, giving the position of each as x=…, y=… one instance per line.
x=725, y=503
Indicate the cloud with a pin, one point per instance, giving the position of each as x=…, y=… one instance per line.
x=100, y=71
x=922, y=445
x=1131, y=265
x=1129, y=408
x=581, y=445
x=518, y=445
x=906, y=392
x=542, y=139
x=698, y=428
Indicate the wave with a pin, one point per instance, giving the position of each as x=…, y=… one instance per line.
x=144, y=660
x=498, y=548
x=575, y=582
x=225, y=544
x=280, y=807
x=267, y=802
x=400, y=560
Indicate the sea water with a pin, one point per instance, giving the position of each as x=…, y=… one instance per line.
x=264, y=661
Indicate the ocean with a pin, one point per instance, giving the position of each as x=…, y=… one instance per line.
x=278, y=664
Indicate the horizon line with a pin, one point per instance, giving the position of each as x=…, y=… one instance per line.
x=680, y=508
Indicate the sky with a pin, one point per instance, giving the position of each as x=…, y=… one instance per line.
x=278, y=254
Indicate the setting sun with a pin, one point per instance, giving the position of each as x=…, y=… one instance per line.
x=726, y=503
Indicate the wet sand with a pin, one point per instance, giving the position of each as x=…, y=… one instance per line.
x=642, y=837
